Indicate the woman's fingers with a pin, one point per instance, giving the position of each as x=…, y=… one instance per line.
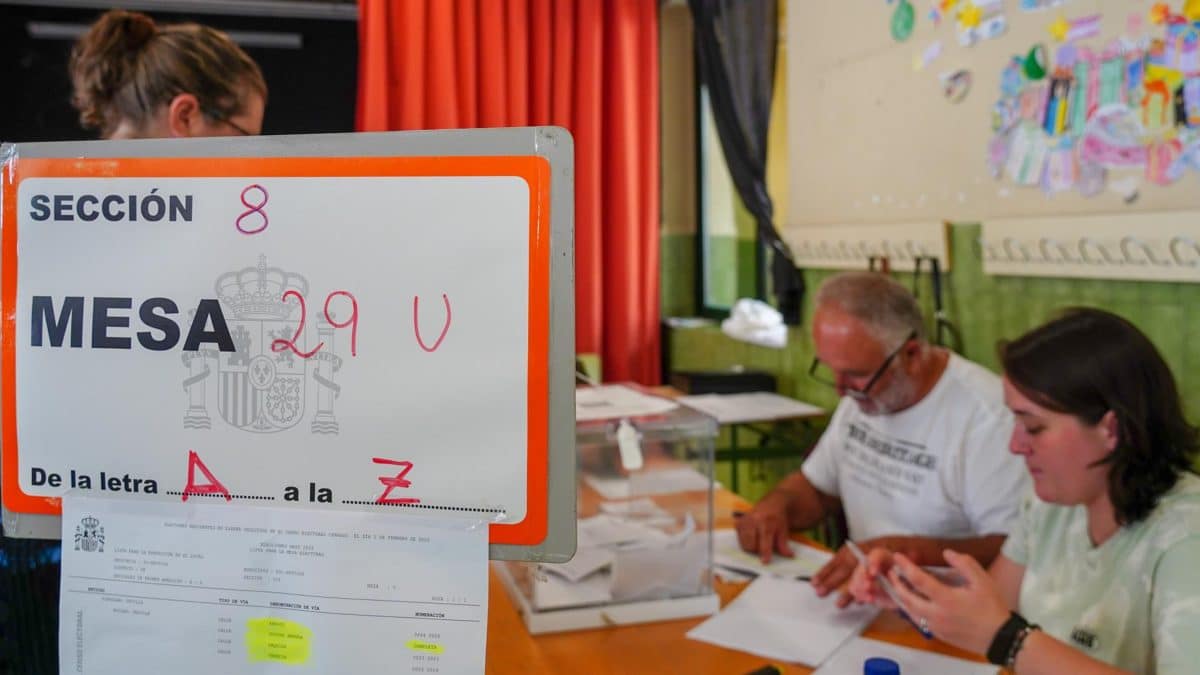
x=965, y=565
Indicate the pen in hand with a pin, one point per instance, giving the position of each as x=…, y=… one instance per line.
x=887, y=588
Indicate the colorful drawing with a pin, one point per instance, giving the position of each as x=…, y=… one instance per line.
x=1191, y=102
x=1113, y=138
x=1054, y=120
x=1135, y=104
x=1033, y=104
x=1062, y=170
x=1111, y=80
x=902, y=21
x=1159, y=159
x=1026, y=155
x=956, y=85
x=1157, y=113
x=1191, y=10
x=981, y=20
x=1037, y=5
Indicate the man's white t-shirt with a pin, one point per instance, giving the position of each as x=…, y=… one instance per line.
x=940, y=468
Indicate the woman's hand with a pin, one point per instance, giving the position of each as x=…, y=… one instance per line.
x=966, y=616
x=864, y=584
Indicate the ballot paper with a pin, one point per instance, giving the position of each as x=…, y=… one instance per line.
x=755, y=406
x=649, y=482
x=783, y=619
x=587, y=560
x=804, y=564
x=849, y=660
x=613, y=400
x=151, y=587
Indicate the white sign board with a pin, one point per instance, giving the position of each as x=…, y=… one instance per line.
x=285, y=330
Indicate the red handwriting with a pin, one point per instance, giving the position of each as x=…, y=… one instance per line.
x=213, y=487
x=278, y=345
x=254, y=209
x=352, y=321
x=417, y=326
x=393, y=482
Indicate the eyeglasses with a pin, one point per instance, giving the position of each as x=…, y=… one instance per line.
x=815, y=372
x=219, y=117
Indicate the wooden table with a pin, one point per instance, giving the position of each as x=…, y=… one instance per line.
x=652, y=647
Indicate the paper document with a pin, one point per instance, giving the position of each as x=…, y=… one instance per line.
x=587, y=559
x=849, y=660
x=654, y=482
x=758, y=406
x=785, y=620
x=613, y=400
x=164, y=587
x=807, y=560
x=606, y=530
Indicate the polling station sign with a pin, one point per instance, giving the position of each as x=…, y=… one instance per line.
x=308, y=330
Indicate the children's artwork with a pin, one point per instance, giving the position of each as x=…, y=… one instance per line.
x=1113, y=138
x=1191, y=102
x=1130, y=105
x=1076, y=29
x=902, y=21
x=1062, y=170
x=922, y=61
x=1160, y=157
x=1092, y=178
x=1037, y=5
x=1033, y=66
x=981, y=20
x=1189, y=157
x=1027, y=154
x=1054, y=120
x=956, y=85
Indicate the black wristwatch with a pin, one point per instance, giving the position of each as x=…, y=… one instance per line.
x=1008, y=640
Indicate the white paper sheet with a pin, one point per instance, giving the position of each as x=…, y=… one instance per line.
x=636, y=508
x=727, y=553
x=675, y=568
x=613, y=400
x=587, y=559
x=654, y=482
x=849, y=660
x=553, y=592
x=606, y=530
x=151, y=586
x=784, y=620
x=758, y=406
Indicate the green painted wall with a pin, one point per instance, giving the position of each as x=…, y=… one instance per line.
x=984, y=308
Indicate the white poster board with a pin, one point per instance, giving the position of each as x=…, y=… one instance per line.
x=347, y=330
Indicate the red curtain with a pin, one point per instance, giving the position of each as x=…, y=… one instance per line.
x=590, y=66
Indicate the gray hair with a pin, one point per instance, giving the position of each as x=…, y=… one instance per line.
x=887, y=309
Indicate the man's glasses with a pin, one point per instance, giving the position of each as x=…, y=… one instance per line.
x=822, y=373
x=216, y=116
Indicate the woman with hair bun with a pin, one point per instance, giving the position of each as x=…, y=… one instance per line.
x=134, y=78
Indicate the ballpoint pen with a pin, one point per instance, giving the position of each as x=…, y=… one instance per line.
x=887, y=588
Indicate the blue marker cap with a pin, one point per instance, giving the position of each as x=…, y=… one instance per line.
x=880, y=666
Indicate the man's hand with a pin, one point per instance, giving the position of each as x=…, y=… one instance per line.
x=838, y=570
x=764, y=530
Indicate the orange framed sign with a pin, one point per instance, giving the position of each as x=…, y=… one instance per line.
x=346, y=331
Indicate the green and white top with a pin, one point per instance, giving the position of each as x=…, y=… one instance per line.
x=1133, y=601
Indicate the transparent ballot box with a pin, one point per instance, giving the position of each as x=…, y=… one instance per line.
x=645, y=511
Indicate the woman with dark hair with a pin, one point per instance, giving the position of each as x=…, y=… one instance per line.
x=134, y=78
x=1099, y=576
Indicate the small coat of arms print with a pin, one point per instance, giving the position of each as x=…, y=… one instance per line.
x=89, y=535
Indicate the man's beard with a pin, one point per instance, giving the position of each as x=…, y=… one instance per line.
x=896, y=397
